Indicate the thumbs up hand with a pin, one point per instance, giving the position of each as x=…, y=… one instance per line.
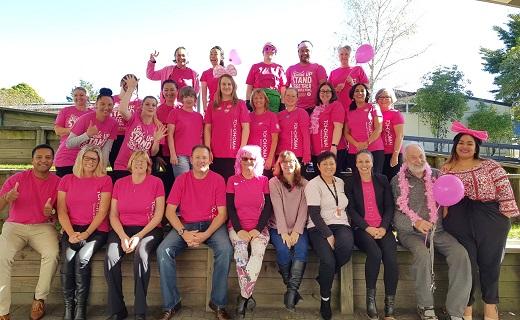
x=12, y=195
x=48, y=210
x=92, y=130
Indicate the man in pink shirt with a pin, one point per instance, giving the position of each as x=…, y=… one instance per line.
x=31, y=196
x=306, y=77
x=201, y=219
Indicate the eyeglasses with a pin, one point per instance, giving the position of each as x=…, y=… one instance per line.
x=384, y=97
x=245, y=159
x=89, y=159
x=325, y=91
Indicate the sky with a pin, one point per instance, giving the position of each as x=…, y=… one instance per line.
x=51, y=45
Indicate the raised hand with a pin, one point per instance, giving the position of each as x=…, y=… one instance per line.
x=160, y=132
x=47, y=208
x=12, y=195
x=154, y=55
x=92, y=130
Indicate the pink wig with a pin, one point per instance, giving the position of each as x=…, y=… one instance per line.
x=253, y=152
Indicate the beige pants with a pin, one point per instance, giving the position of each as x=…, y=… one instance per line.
x=42, y=238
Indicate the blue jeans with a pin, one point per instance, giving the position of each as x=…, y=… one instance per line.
x=182, y=166
x=284, y=255
x=173, y=245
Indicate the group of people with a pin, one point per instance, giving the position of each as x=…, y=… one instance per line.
x=236, y=180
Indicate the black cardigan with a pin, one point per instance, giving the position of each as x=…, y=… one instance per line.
x=356, y=204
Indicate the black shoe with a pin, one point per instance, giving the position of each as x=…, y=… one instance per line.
x=140, y=317
x=389, y=306
x=251, y=303
x=371, y=304
x=220, y=312
x=325, y=311
x=168, y=314
x=241, y=306
x=119, y=316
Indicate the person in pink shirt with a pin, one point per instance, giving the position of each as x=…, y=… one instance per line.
x=208, y=82
x=83, y=204
x=326, y=122
x=93, y=128
x=180, y=72
x=294, y=128
x=363, y=124
x=185, y=128
x=344, y=77
x=264, y=129
x=66, y=118
x=269, y=76
x=226, y=126
x=136, y=212
x=30, y=195
x=371, y=210
x=142, y=133
x=249, y=209
x=392, y=132
x=306, y=77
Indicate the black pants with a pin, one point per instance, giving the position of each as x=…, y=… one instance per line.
x=62, y=171
x=163, y=170
x=379, y=159
x=341, y=165
x=115, y=149
x=113, y=259
x=482, y=230
x=223, y=166
x=389, y=171
x=331, y=260
x=376, y=250
x=118, y=174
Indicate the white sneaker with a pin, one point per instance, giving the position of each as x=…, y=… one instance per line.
x=426, y=313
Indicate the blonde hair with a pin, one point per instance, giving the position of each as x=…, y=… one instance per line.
x=140, y=154
x=261, y=92
x=390, y=93
x=100, y=170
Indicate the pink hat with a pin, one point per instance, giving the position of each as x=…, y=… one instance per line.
x=269, y=45
x=460, y=128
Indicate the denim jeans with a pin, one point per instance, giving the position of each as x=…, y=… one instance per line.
x=182, y=166
x=284, y=255
x=173, y=245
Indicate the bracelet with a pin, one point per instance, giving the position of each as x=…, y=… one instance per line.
x=334, y=145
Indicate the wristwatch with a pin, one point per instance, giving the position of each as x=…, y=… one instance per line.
x=181, y=231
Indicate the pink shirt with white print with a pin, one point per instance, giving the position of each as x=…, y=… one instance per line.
x=188, y=130
x=226, y=127
x=340, y=75
x=133, y=107
x=83, y=197
x=261, y=129
x=138, y=137
x=306, y=79
x=211, y=82
x=263, y=75
x=322, y=139
x=67, y=117
x=294, y=133
x=249, y=198
x=361, y=125
x=391, y=118
x=136, y=202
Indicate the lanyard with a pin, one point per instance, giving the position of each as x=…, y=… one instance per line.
x=335, y=193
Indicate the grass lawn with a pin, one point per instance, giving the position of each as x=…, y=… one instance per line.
x=514, y=233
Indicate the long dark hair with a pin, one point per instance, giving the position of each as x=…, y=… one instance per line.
x=221, y=54
x=456, y=140
x=353, y=105
x=334, y=95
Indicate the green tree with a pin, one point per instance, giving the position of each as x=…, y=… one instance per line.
x=442, y=99
x=92, y=93
x=20, y=94
x=499, y=126
x=503, y=63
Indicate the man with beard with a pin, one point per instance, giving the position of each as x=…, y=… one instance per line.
x=419, y=228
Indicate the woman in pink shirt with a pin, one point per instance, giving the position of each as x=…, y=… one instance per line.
x=66, y=118
x=135, y=216
x=184, y=132
x=226, y=127
x=264, y=129
x=371, y=210
x=249, y=209
x=208, y=82
x=83, y=204
x=363, y=125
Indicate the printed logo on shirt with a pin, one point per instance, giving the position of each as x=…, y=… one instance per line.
x=234, y=133
x=139, y=139
x=265, y=143
x=387, y=133
x=95, y=206
x=295, y=139
x=302, y=81
x=325, y=134
x=151, y=213
x=117, y=115
x=71, y=121
x=97, y=140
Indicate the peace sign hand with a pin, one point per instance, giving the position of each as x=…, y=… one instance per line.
x=154, y=55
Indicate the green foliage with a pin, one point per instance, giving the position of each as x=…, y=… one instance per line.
x=503, y=63
x=91, y=92
x=20, y=94
x=442, y=99
x=499, y=126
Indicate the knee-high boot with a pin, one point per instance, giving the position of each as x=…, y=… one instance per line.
x=82, y=292
x=68, y=286
x=295, y=279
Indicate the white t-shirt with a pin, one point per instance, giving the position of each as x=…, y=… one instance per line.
x=317, y=194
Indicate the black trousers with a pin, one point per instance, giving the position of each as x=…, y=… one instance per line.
x=482, y=230
x=383, y=249
x=331, y=260
x=76, y=257
x=62, y=171
x=115, y=149
x=113, y=259
x=379, y=159
x=389, y=171
x=223, y=166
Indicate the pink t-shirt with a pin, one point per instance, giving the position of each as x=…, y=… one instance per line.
x=294, y=133
x=67, y=117
x=133, y=107
x=198, y=199
x=321, y=140
x=391, y=118
x=306, y=79
x=184, y=77
x=83, y=197
x=211, y=82
x=136, y=202
x=188, y=130
x=226, y=127
x=261, y=129
x=107, y=131
x=162, y=114
x=249, y=198
x=263, y=75
x=372, y=215
x=33, y=194
x=138, y=137
x=340, y=75
x=361, y=125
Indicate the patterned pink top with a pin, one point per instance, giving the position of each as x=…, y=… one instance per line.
x=488, y=182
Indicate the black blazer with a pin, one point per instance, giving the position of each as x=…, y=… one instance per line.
x=356, y=205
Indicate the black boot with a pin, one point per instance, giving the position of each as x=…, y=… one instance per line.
x=82, y=292
x=241, y=306
x=325, y=311
x=389, y=306
x=68, y=285
x=371, y=304
x=292, y=296
x=284, y=271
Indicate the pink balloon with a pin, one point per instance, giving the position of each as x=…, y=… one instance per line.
x=448, y=190
x=234, y=58
x=364, y=53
